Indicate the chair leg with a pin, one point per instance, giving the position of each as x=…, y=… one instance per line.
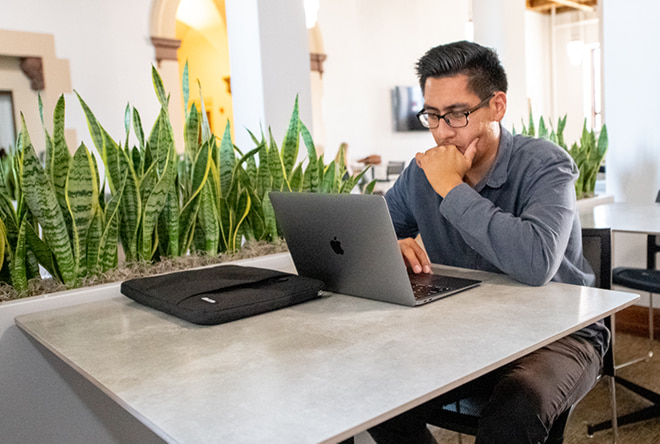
x=615, y=425
x=649, y=354
x=651, y=327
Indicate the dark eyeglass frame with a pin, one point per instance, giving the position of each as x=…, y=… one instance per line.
x=422, y=115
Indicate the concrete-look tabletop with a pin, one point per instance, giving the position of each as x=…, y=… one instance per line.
x=320, y=371
x=624, y=217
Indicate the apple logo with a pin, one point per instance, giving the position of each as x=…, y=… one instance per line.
x=336, y=246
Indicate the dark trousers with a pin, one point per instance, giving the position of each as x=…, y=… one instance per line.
x=523, y=398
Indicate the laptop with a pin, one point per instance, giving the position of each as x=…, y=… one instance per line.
x=348, y=242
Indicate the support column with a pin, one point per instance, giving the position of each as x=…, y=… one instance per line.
x=500, y=24
x=270, y=64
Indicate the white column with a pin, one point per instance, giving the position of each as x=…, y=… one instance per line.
x=269, y=59
x=500, y=24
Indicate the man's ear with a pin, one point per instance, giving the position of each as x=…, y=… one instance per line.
x=498, y=105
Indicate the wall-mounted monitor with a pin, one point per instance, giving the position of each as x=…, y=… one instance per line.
x=407, y=101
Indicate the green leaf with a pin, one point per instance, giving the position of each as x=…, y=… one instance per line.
x=137, y=127
x=82, y=197
x=94, y=243
x=227, y=161
x=208, y=219
x=40, y=198
x=275, y=165
x=311, y=176
x=191, y=133
x=163, y=98
x=108, y=251
x=291, y=142
x=328, y=184
x=17, y=269
x=154, y=205
x=185, y=84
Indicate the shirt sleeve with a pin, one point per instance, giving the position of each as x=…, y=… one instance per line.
x=528, y=246
x=397, y=198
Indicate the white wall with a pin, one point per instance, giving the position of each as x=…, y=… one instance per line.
x=631, y=92
x=110, y=54
x=372, y=46
x=270, y=65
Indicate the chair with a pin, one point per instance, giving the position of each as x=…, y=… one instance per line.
x=648, y=280
x=463, y=416
x=642, y=279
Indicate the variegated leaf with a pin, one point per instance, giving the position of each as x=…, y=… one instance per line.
x=40, y=198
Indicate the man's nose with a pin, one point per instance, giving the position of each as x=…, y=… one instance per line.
x=443, y=131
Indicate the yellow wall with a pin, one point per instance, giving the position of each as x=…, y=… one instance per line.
x=205, y=46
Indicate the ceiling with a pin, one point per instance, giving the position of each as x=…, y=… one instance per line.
x=545, y=6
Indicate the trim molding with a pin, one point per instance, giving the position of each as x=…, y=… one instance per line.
x=165, y=48
x=33, y=68
x=317, y=60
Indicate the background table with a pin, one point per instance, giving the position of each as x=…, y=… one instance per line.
x=624, y=217
x=320, y=371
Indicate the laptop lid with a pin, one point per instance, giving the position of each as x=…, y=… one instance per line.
x=348, y=242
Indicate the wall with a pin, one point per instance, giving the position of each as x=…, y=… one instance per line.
x=204, y=46
x=630, y=92
x=372, y=46
x=108, y=47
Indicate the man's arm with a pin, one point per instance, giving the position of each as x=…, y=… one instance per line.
x=530, y=246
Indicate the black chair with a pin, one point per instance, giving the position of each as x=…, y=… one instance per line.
x=642, y=279
x=647, y=280
x=463, y=416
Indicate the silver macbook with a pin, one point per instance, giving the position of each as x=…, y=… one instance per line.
x=347, y=241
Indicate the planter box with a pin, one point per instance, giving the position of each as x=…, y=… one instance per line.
x=43, y=400
x=586, y=205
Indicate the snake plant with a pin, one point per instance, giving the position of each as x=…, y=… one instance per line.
x=588, y=153
x=63, y=216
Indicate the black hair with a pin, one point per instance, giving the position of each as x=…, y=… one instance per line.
x=481, y=65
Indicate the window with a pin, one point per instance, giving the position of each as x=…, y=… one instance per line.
x=7, y=123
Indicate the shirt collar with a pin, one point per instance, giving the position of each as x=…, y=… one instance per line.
x=498, y=173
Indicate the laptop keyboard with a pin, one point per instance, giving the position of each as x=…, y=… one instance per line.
x=425, y=290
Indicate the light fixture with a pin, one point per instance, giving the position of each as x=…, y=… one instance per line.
x=311, y=12
x=575, y=49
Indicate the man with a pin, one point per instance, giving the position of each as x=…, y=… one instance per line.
x=487, y=200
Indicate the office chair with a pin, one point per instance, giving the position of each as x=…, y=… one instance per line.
x=642, y=279
x=648, y=280
x=463, y=416
x=597, y=250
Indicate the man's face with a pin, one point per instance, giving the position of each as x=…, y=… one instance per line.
x=449, y=94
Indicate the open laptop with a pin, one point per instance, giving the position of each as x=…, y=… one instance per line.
x=348, y=242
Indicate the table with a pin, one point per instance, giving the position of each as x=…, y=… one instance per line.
x=640, y=218
x=321, y=371
x=624, y=217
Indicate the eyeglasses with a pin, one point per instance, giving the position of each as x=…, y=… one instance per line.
x=455, y=119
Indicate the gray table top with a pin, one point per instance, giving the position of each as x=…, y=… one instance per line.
x=316, y=372
x=624, y=217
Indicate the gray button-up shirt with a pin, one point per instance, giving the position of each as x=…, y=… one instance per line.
x=521, y=219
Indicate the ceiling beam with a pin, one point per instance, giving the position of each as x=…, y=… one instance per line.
x=544, y=6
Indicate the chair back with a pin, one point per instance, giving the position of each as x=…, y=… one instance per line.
x=597, y=250
x=652, y=247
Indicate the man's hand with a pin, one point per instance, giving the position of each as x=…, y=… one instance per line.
x=414, y=255
x=445, y=166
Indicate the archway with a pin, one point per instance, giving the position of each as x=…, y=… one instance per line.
x=199, y=36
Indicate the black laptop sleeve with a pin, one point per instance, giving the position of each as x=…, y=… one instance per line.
x=223, y=293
